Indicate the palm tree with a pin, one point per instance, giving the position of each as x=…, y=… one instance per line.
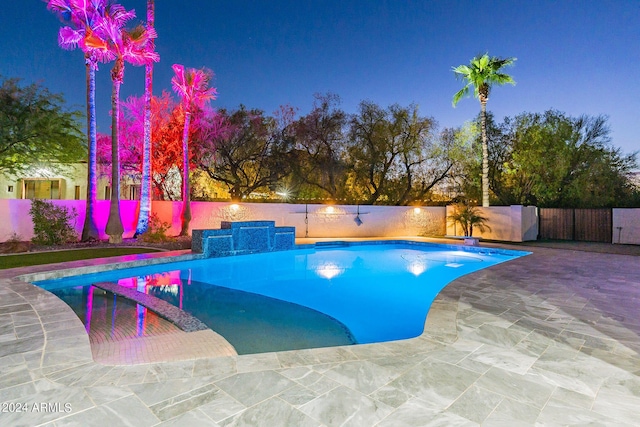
x=145, y=188
x=468, y=217
x=192, y=86
x=80, y=19
x=132, y=46
x=482, y=73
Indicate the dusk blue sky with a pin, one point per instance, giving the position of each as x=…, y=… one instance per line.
x=579, y=57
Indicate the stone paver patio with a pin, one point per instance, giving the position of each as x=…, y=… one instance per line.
x=549, y=339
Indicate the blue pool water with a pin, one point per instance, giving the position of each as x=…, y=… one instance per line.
x=314, y=297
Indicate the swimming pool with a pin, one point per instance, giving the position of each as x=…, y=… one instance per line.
x=310, y=297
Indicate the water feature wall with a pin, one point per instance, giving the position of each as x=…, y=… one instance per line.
x=243, y=237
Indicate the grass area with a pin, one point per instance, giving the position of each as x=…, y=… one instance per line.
x=38, y=258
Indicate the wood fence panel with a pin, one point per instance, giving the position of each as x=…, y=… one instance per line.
x=585, y=225
x=593, y=225
x=556, y=224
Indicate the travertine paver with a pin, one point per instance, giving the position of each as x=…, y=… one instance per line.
x=549, y=339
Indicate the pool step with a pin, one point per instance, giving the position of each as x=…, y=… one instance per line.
x=173, y=314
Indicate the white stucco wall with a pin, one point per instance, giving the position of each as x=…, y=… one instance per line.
x=626, y=226
x=530, y=221
x=508, y=223
x=322, y=221
x=15, y=218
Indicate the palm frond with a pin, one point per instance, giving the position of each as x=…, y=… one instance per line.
x=68, y=38
x=139, y=57
x=118, y=15
x=178, y=81
x=460, y=94
x=193, y=86
x=482, y=72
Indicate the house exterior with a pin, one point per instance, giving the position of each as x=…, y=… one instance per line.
x=69, y=182
x=62, y=182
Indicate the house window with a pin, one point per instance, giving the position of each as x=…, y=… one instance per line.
x=107, y=192
x=41, y=189
x=9, y=188
x=134, y=192
x=76, y=194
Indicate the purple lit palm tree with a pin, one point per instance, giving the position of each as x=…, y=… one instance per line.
x=193, y=87
x=145, y=188
x=125, y=45
x=79, y=18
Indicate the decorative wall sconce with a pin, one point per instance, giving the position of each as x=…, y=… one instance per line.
x=357, y=219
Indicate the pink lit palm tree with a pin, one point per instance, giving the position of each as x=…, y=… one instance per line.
x=125, y=45
x=145, y=188
x=193, y=87
x=80, y=17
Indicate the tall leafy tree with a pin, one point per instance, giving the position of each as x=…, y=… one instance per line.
x=372, y=153
x=389, y=150
x=249, y=153
x=145, y=187
x=433, y=161
x=125, y=45
x=482, y=74
x=553, y=160
x=463, y=158
x=320, y=146
x=79, y=19
x=192, y=85
x=35, y=127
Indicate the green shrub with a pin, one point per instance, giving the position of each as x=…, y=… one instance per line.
x=52, y=225
x=14, y=238
x=157, y=231
x=14, y=244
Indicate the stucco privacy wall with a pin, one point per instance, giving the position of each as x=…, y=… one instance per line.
x=626, y=226
x=509, y=223
x=321, y=220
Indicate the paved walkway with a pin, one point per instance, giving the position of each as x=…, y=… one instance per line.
x=548, y=339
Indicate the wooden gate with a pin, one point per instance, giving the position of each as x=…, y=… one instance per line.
x=585, y=225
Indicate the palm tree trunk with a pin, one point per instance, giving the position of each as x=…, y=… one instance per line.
x=90, y=229
x=186, y=198
x=145, y=184
x=114, y=225
x=485, y=151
